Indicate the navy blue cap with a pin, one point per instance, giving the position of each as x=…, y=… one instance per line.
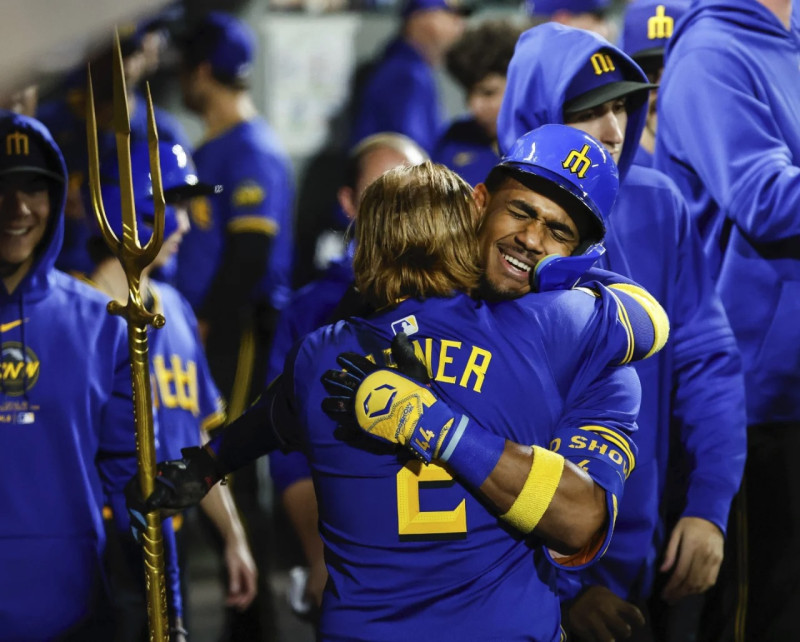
x=456, y=6
x=649, y=25
x=549, y=7
x=225, y=42
x=601, y=79
x=22, y=153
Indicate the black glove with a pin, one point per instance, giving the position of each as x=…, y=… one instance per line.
x=342, y=384
x=179, y=483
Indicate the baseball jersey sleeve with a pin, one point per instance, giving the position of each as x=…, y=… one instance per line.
x=596, y=434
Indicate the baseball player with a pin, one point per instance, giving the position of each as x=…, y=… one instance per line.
x=186, y=400
x=318, y=303
x=67, y=435
x=648, y=25
x=408, y=546
x=694, y=387
x=733, y=66
x=400, y=94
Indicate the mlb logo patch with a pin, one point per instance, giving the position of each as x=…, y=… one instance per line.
x=25, y=417
x=407, y=324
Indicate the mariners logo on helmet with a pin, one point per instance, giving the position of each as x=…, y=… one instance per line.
x=379, y=401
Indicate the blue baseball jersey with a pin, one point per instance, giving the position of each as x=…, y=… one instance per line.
x=66, y=437
x=257, y=197
x=401, y=96
x=410, y=549
x=184, y=394
x=693, y=388
x=467, y=150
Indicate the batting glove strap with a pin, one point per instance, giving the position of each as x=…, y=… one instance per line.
x=470, y=451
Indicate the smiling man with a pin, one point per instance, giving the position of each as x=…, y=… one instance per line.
x=692, y=392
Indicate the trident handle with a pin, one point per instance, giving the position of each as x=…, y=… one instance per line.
x=134, y=258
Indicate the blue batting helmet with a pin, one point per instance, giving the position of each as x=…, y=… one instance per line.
x=178, y=179
x=574, y=169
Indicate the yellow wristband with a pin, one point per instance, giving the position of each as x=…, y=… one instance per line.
x=538, y=491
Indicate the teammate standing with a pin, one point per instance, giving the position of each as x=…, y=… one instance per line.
x=401, y=94
x=648, y=26
x=66, y=413
x=187, y=403
x=234, y=265
x=729, y=134
x=692, y=389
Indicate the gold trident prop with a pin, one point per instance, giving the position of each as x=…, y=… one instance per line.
x=134, y=258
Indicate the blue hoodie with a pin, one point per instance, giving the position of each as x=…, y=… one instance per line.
x=695, y=383
x=729, y=135
x=66, y=434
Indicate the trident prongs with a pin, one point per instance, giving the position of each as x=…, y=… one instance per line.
x=134, y=259
x=133, y=256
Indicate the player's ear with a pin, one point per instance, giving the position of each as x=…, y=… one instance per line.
x=481, y=197
x=347, y=200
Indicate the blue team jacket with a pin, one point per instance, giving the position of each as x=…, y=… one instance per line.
x=400, y=96
x=734, y=63
x=694, y=386
x=66, y=437
x=393, y=526
x=467, y=150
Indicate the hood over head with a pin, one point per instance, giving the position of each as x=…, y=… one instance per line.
x=27, y=146
x=553, y=65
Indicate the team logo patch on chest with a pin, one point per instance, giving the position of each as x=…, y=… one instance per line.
x=19, y=368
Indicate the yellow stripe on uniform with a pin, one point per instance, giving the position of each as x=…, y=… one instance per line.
x=653, y=308
x=257, y=224
x=616, y=439
x=244, y=373
x=622, y=313
x=538, y=491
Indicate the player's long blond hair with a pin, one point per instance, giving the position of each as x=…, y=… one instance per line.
x=416, y=236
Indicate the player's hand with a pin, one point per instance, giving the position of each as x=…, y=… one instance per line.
x=181, y=483
x=242, y=575
x=599, y=615
x=315, y=584
x=694, y=554
x=389, y=404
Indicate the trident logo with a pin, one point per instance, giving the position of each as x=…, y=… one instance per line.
x=577, y=162
x=602, y=63
x=660, y=25
x=17, y=143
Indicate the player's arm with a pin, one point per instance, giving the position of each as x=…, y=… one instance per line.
x=184, y=482
x=259, y=203
x=531, y=487
x=630, y=308
x=741, y=159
